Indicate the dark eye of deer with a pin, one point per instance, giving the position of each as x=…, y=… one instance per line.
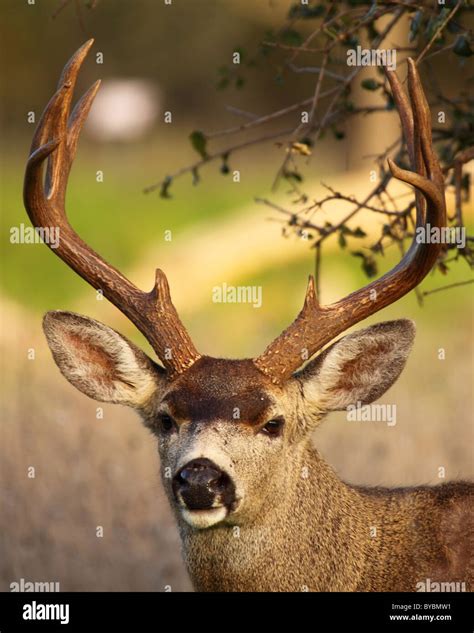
x=167, y=423
x=273, y=427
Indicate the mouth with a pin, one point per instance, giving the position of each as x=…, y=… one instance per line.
x=201, y=519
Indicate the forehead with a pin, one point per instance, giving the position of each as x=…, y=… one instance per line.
x=220, y=389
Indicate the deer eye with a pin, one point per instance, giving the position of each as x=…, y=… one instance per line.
x=167, y=423
x=274, y=427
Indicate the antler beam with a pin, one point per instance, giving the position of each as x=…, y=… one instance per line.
x=317, y=325
x=55, y=140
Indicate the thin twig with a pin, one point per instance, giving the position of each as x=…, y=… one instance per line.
x=314, y=70
x=59, y=8
x=237, y=111
x=267, y=117
x=359, y=206
x=437, y=32
x=211, y=157
x=456, y=285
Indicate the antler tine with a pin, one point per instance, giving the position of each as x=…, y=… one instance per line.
x=40, y=148
x=413, y=145
x=56, y=140
x=432, y=187
x=405, y=112
x=316, y=325
x=60, y=162
x=79, y=116
x=423, y=119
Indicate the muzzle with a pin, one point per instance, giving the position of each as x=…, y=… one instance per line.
x=201, y=485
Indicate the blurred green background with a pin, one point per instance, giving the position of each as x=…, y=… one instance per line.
x=88, y=470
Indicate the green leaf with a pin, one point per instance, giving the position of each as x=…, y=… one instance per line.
x=369, y=265
x=435, y=22
x=199, y=142
x=372, y=31
x=466, y=183
x=225, y=165
x=358, y=232
x=369, y=84
x=338, y=134
x=293, y=175
x=431, y=27
x=415, y=25
x=352, y=41
x=453, y=27
x=222, y=83
x=342, y=240
x=291, y=37
x=377, y=248
x=371, y=11
x=462, y=47
x=164, y=191
x=446, y=153
x=390, y=105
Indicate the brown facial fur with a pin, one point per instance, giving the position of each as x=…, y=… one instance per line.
x=218, y=389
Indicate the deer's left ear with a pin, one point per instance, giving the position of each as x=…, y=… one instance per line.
x=359, y=367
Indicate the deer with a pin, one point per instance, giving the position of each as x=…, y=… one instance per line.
x=257, y=507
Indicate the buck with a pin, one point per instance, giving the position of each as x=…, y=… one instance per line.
x=257, y=508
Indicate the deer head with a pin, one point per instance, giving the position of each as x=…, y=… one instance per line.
x=228, y=430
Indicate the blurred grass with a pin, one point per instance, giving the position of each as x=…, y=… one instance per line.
x=114, y=216
x=122, y=223
x=283, y=294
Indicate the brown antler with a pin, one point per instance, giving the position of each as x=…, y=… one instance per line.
x=56, y=140
x=317, y=325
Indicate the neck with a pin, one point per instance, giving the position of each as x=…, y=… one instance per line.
x=313, y=528
x=324, y=535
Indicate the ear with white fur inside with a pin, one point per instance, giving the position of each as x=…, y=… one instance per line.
x=360, y=367
x=99, y=361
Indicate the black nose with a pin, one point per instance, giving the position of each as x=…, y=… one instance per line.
x=203, y=485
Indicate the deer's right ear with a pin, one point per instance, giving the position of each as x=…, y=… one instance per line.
x=100, y=362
